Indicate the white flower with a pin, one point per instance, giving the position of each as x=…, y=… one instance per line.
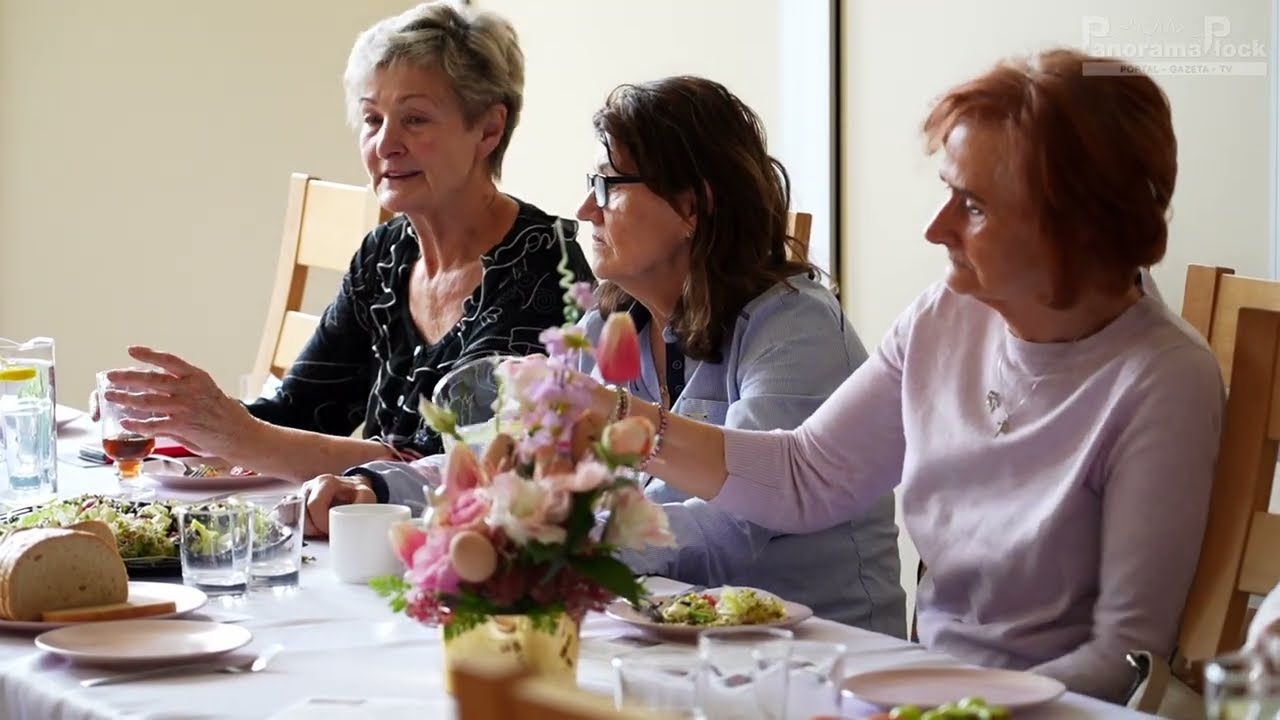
x=637, y=523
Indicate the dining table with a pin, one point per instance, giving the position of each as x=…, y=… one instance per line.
x=345, y=654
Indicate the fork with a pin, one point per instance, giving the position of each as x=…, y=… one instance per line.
x=654, y=609
x=257, y=664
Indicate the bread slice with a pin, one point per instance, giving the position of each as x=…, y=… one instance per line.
x=52, y=569
x=99, y=529
x=115, y=611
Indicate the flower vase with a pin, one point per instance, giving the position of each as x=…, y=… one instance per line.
x=513, y=641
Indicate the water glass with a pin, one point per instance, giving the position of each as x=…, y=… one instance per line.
x=1240, y=686
x=214, y=545
x=657, y=678
x=28, y=432
x=742, y=673
x=275, y=560
x=813, y=683
x=470, y=391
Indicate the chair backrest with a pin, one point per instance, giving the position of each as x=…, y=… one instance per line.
x=1239, y=554
x=324, y=224
x=798, y=226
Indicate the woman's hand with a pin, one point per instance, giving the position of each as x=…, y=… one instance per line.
x=186, y=403
x=326, y=491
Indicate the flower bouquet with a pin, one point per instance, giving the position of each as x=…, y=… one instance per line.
x=521, y=539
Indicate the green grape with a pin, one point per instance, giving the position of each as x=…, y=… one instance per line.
x=931, y=715
x=972, y=703
x=905, y=712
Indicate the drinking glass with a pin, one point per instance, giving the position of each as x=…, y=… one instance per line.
x=657, y=678
x=28, y=433
x=275, y=560
x=126, y=447
x=470, y=391
x=742, y=673
x=214, y=541
x=813, y=683
x=1240, y=686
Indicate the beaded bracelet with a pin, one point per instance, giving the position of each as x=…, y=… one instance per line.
x=624, y=403
x=657, y=440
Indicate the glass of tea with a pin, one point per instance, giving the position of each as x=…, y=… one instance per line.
x=126, y=447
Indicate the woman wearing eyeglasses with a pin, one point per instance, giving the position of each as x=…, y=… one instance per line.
x=689, y=217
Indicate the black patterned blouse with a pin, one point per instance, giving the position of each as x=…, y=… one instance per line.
x=367, y=362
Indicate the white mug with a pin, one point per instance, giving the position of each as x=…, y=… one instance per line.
x=360, y=543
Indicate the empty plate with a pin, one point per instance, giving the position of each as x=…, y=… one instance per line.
x=142, y=642
x=933, y=686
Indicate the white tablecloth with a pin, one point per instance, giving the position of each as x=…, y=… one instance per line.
x=341, y=641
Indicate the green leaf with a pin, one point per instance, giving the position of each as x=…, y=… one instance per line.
x=582, y=518
x=609, y=573
x=541, y=553
x=389, y=585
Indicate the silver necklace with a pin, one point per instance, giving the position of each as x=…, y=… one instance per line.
x=996, y=405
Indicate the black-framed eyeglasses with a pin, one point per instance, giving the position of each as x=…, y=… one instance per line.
x=600, y=184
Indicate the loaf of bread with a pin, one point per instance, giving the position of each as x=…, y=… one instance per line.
x=52, y=569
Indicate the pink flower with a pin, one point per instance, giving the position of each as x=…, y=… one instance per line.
x=632, y=436
x=431, y=569
x=583, y=295
x=526, y=510
x=559, y=341
x=461, y=471
x=636, y=522
x=468, y=509
x=618, y=351
x=406, y=538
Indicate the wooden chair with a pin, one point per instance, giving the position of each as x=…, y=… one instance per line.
x=1240, y=555
x=324, y=224
x=798, y=227
x=487, y=692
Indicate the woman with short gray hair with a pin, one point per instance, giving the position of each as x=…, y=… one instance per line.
x=462, y=271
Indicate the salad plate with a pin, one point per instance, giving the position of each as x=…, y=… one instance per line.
x=687, y=614
x=185, y=600
x=933, y=686
x=146, y=532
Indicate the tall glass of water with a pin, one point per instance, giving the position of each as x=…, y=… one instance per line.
x=470, y=392
x=27, y=428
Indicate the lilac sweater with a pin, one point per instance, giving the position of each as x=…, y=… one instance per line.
x=1056, y=546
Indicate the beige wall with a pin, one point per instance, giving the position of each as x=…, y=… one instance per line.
x=145, y=149
x=899, y=55
x=576, y=51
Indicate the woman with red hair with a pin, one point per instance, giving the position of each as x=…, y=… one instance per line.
x=1052, y=426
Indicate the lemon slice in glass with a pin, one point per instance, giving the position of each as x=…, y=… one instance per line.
x=17, y=373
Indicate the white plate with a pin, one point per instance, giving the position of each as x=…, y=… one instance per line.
x=622, y=610
x=137, y=642
x=64, y=416
x=928, y=687
x=163, y=473
x=186, y=599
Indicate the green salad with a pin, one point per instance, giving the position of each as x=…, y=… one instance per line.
x=142, y=530
x=735, y=606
